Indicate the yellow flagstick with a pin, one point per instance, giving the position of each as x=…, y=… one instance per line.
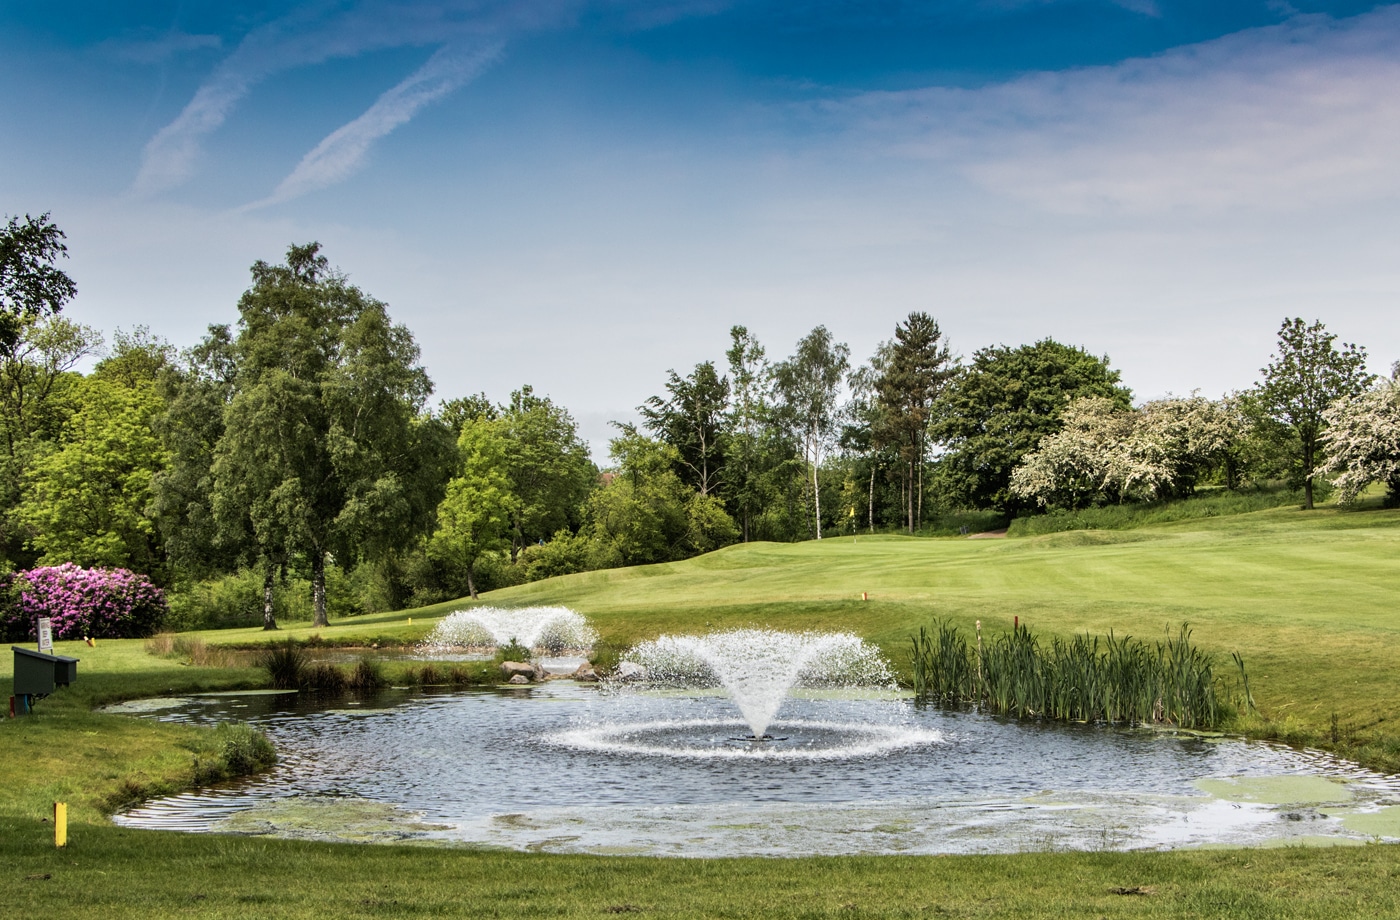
x=60, y=824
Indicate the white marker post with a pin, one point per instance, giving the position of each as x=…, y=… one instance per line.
x=45, y=635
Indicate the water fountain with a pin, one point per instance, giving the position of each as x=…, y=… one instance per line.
x=760, y=667
x=549, y=629
x=757, y=671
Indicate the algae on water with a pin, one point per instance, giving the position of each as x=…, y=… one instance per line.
x=1277, y=790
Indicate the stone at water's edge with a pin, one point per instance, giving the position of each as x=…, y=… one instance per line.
x=529, y=670
x=630, y=670
x=585, y=672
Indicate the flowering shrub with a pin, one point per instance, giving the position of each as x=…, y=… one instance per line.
x=102, y=603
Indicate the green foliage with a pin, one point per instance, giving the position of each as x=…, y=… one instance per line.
x=1075, y=680
x=474, y=516
x=368, y=675
x=245, y=750
x=87, y=499
x=236, y=599
x=1001, y=405
x=1306, y=376
x=322, y=450
x=691, y=420
x=36, y=386
x=286, y=664
x=548, y=465
x=31, y=285
x=917, y=368
x=513, y=651
x=808, y=384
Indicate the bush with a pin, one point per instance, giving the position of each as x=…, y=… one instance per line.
x=245, y=749
x=102, y=603
x=237, y=599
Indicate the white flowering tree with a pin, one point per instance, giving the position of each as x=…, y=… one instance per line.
x=1107, y=454
x=1362, y=441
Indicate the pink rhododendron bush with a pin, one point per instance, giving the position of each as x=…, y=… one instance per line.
x=101, y=603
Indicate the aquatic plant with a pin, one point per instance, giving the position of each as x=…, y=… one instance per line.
x=1082, y=679
x=285, y=663
x=368, y=674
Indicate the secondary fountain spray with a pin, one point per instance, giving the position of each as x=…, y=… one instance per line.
x=552, y=629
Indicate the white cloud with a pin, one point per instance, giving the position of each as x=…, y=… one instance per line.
x=343, y=152
x=156, y=49
x=1296, y=115
x=317, y=33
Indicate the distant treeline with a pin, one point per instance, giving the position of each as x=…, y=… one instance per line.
x=290, y=464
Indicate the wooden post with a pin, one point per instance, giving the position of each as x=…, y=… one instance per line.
x=60, y=824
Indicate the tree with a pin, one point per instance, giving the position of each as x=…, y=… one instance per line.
x=918, y=367
x=31, y=286
x=474, y=516
x=810, y=382
x=1362, y=440
x=999, y=407
x=36, y=389
x=1104, y=453
x=196, y=398
x=864, y=432
x=692, y=421
x=549, y=467
x=87, y=501
x=758, y=450
x=322, y=450
x=1304, y=378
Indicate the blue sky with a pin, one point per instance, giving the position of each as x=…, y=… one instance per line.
x=580, y=195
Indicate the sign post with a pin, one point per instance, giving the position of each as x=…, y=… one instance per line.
x=45, y=635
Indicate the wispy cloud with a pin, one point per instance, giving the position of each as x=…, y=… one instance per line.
x=343, y=152
x=156, y=49
x=1300, y=114
x=320, y=32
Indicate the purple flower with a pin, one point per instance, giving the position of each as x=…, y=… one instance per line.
x=102, y=603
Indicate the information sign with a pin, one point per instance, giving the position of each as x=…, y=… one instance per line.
x=45, y=635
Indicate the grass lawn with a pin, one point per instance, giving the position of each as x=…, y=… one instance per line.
x=1309, y=599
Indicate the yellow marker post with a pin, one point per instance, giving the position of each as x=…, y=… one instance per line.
x=410, y=621
x=60, y=824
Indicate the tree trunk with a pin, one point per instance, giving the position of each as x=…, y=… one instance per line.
x=1308, y=474
x=269, y=619
x=318, y=588
x=909, y=497
x=919, y=515
x=872, y=496
x=817, y=498
x=471, y=580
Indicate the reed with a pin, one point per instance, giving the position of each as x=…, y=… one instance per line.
x=285, y=663
x=1081, y=679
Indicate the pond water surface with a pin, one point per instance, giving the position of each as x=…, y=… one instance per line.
x=565, y=767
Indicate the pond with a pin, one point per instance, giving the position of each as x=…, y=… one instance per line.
x=567, y=767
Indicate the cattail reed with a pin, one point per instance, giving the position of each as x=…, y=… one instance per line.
x=1082, y=679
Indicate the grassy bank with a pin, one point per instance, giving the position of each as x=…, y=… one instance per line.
x=108, y=872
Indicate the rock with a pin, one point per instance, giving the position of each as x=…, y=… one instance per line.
x=519, y=679
x=585, y=672
x=526, y=669
x=630, y=670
